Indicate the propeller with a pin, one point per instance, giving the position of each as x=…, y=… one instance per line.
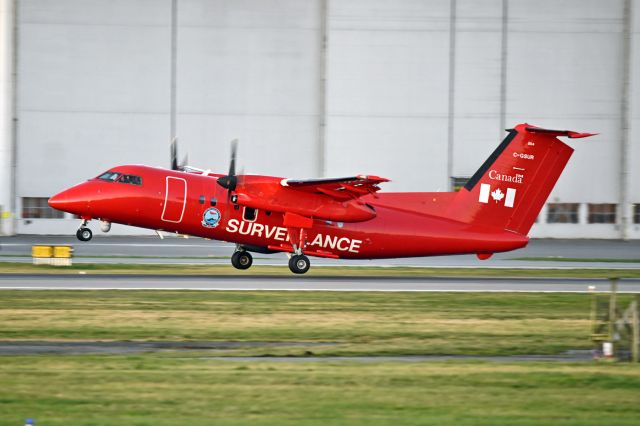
x=174, y=157
x=174, y=154
x=230, y=181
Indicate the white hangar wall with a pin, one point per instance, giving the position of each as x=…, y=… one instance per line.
x=415, y=90
x=249, y=70
x=93, y=91
x=387, y=76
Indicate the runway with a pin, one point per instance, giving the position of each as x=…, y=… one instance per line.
x=175, y=250
x=310, y=283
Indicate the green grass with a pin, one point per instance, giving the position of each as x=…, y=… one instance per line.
x=184, y=388
x=351, y=323
x=576, y=259
x=119, y=268
x=160, y=391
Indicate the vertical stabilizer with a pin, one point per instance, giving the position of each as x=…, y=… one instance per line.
x=510, y=188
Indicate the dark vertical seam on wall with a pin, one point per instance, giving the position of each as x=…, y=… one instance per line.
x=174, y=68
x=452, y=77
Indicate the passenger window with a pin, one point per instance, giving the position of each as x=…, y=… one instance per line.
x=109, y=176
x=201, y=199
x=250, y=215
x=213, y=201
x=131, y=179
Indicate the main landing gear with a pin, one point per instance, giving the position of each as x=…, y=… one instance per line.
x=299, y=263
x=241, y=259
x=84, y=233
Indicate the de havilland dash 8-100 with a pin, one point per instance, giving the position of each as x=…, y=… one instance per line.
x=339, y=218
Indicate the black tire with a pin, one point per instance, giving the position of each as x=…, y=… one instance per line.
x=84, y=234
x=242, y=260
x=299, y=264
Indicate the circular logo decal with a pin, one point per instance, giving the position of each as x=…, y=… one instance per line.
x=211, y=218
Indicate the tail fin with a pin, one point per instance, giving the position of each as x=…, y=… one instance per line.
x=512, y=185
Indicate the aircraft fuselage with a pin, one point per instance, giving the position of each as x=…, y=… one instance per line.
x=192, y=204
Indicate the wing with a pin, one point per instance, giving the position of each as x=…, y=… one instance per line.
x=345, y=188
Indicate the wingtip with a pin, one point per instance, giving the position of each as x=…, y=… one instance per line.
x=577, y=135
x=373, y=177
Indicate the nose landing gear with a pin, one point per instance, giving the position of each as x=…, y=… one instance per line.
x=84, y=233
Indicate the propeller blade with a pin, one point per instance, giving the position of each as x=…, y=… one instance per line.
x=230, y=181
x=174, y=154
x=240, y=178
x=184, y=163
x=234, y=151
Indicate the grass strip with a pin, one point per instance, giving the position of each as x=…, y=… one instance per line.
x=160, y=391
x=338, y=323
x=118, y=268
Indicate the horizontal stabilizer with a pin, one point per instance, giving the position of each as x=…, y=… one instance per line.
x=567, y=133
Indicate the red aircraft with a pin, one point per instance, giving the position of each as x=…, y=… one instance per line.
x=341, y=218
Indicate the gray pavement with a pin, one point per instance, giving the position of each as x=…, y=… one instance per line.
x=309, y=283
x=570, y=356
x=177, y=250
x=220, y=347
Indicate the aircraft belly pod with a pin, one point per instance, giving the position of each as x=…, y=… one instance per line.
x=344, y=217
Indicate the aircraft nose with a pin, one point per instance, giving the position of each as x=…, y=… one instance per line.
x=57, y=201
x=72, y=200
x=60, y=201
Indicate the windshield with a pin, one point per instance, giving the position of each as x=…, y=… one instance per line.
x=109, y=176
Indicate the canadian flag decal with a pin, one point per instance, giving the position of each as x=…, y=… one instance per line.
x=497, y=195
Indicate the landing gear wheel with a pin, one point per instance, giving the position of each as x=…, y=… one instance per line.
x=84, y=234
x=299, y=263
x=241, y=260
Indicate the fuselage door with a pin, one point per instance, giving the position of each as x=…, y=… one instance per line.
x=175, y=199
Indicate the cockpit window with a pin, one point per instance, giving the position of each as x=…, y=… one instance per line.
x=109, y=176
x=130, y=179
